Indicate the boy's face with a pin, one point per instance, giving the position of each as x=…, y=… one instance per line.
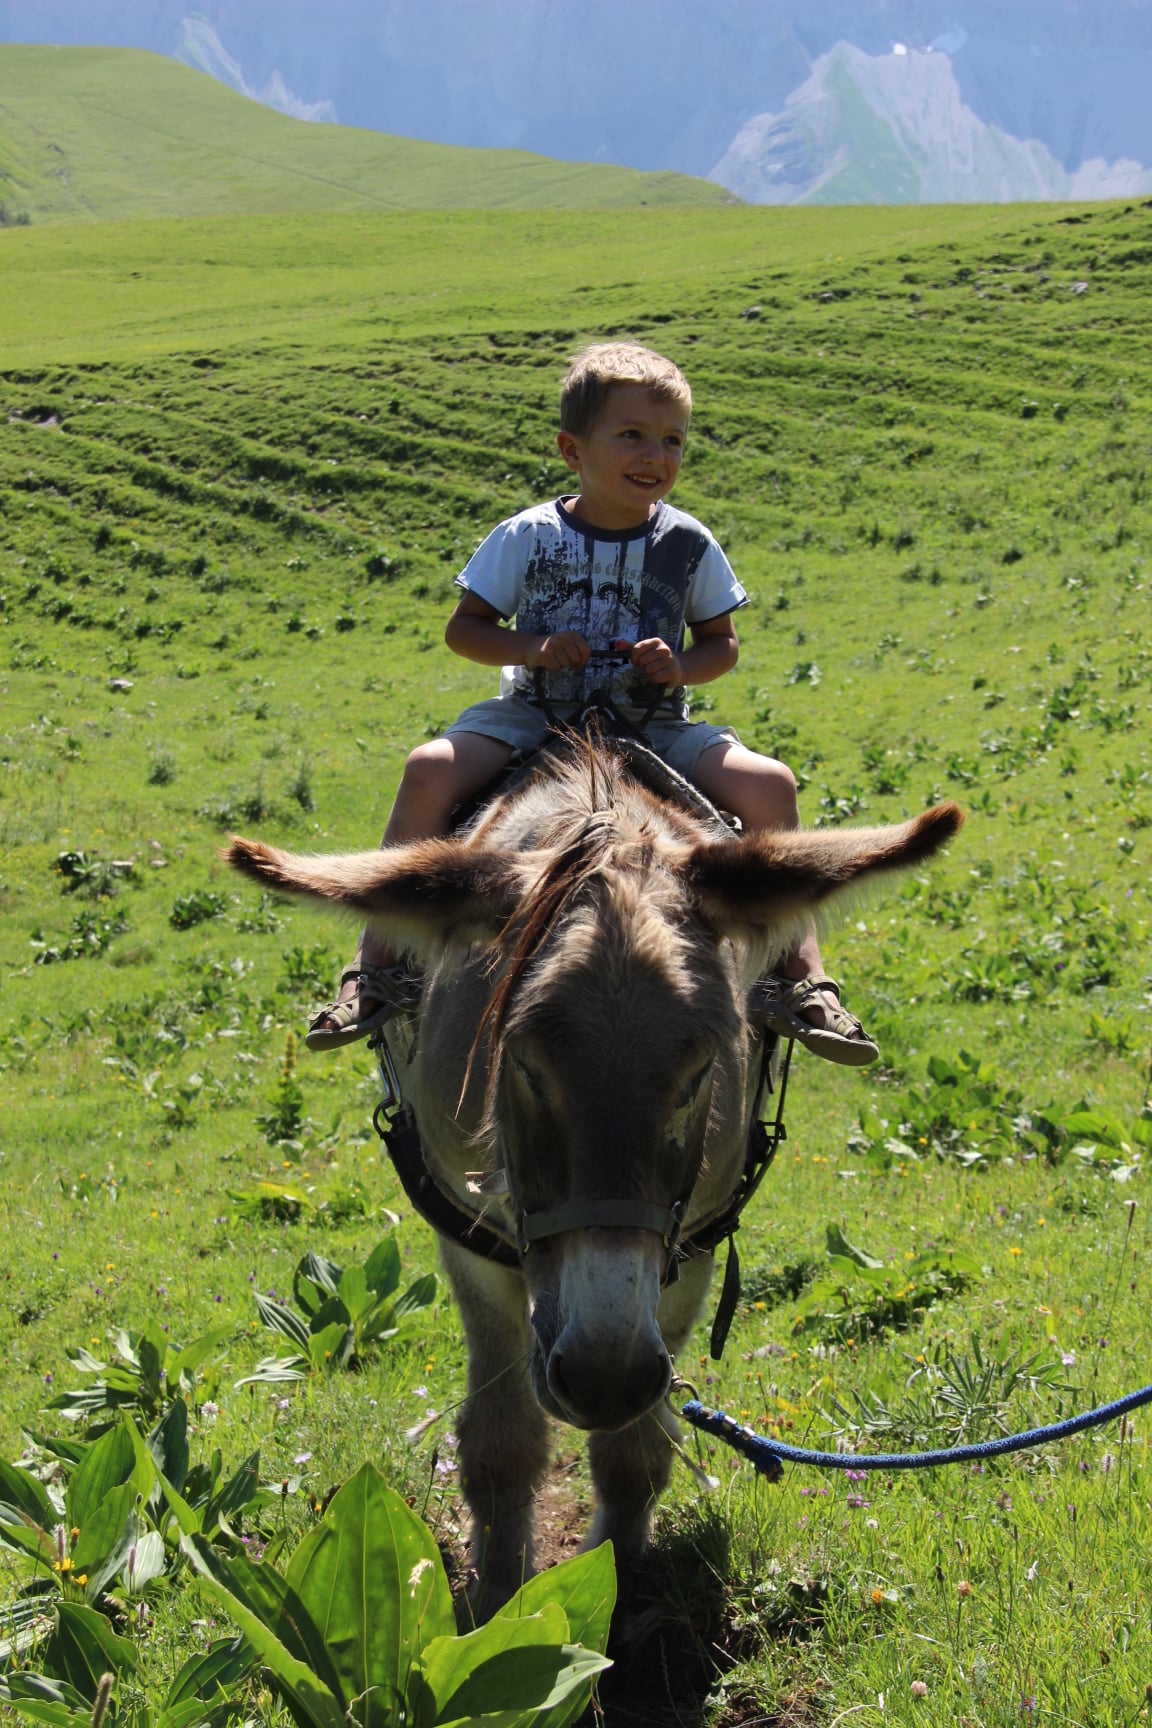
x=629, y=459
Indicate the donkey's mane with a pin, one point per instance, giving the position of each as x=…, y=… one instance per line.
x=597, y=825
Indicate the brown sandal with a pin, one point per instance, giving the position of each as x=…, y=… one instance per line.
x=775, y=1002
x=390, y=989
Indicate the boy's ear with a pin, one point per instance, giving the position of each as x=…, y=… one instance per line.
x=569, y=447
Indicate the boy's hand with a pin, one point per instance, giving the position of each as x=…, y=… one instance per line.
x=655, y=659
x=566, y=651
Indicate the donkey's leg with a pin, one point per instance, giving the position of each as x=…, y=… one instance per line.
x=503, y=1434
x=630, y=1469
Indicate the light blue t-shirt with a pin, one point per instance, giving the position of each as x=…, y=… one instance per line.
x=550, y=571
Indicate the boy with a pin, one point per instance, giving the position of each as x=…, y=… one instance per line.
x=601, y=587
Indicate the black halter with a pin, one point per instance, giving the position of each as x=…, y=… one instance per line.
x=451, y=1218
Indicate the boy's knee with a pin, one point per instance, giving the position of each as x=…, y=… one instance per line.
x=428, y=767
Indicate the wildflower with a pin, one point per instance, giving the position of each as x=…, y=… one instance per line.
x=209, y=1411
x=876, y=1598
x=918, y=1689
x=1004, y=1501
x=963, y=1588
x=1068, y=1358
x=82, y=1578
x=301, y=1457
x=858, y=1502
x=1015, y=1250
x=1027, y=1705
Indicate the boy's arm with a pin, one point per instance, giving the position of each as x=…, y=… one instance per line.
x=475, y=632
x=714, y=650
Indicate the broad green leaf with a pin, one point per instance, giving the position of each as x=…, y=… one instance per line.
x=417, y=1295
x=21, y=1533
x=279, y=1318
x=276, y=1371
x=168, y=1444
x=279, y=1628
x=188, y=1519
x=115, y=1475
x=41, y=1708
x=1094, y=1125
x=382, y=1268
x=942, y=1072
x=21, y=1490
x=354, y=1293
x=371, y=1578
x=24, y=1624
x=838, y=1243
x=226, y=1664
x=101, y=1571
x=239, y=1491
x=532, y=1673
x=330, y=1348
x=451, y=1668
x=315, y=1269
x=194, y=1355
x=145, y=1562
x=84, y=1647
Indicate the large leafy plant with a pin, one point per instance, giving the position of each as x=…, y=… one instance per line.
x=358, y=1631
x=345, y=1313
x=147, y=1373
x=858, y=1295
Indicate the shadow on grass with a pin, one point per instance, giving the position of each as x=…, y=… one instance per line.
x=681, y=1627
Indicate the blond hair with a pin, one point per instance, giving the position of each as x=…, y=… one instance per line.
x=585, y=387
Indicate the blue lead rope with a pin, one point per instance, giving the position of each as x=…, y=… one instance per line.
x=770, y=1456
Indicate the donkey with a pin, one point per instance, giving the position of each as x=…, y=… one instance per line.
x=582, y=1076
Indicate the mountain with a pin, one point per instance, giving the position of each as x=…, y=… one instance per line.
x=111, y=133
x=895, y=129
x=674, y=89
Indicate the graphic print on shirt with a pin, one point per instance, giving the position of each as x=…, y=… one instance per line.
x=554, y=573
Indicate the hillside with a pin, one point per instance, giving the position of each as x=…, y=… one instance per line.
x=112, y=134
x=241, y=463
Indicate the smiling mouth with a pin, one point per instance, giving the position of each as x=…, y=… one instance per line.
x=643, y=479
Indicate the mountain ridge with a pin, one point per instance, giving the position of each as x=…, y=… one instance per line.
x=895, y=129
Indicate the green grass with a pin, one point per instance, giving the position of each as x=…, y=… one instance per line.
x=233, y=497
x=114, y=134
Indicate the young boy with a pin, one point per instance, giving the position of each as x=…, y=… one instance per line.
x=602, y=587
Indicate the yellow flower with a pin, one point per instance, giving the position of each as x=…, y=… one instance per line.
x=82, y=1578
x=876, y=1598
x=1015, y=1250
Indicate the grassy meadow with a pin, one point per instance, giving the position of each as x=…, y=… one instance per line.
x=240, y=464
x=116, y=134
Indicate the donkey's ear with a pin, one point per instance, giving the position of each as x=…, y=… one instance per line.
x=767, y=883
x=417, y=895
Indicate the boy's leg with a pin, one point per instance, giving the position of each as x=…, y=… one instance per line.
x=437, y=776
x=762, y=793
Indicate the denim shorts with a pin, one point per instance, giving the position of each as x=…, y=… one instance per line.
x=523, y=726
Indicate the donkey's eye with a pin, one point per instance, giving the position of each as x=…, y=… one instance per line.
x=529, y=1076
x=692, y=1087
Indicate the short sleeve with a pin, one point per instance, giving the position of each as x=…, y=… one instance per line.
x=713, y=589
x=495, y=571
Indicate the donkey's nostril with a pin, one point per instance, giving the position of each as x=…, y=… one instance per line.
x=594, y=1394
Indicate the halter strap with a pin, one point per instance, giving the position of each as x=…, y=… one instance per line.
x=600, y=1215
